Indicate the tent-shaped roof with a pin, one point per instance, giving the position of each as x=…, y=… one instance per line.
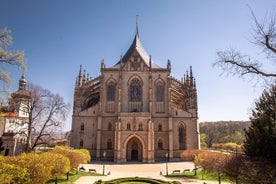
x=136, y=45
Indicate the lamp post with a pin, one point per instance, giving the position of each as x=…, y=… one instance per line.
x=167, y=156
x=104, y=154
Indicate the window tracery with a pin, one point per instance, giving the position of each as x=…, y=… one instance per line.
x=159, y=92
x=182, y=137
x=135, y=90
x=111, y=91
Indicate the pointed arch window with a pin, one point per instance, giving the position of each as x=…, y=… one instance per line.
x=128, y=126
x=135, y=90
x=109, y=126
x=159, y=91
x=109, y=144
x=160, y=127
x=182, y=137
x=111, y=91
x=81, y=143
x=160, y=144
x=82, y=127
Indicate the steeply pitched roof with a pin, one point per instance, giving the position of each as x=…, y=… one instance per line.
x=137, y=45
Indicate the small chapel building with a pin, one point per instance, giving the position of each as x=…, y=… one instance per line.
x=135, y=110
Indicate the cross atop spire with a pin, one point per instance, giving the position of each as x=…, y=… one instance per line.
x=137, y=33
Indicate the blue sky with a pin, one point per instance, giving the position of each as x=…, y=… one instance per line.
x=60, y=35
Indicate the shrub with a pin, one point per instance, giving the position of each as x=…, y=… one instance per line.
x=230, y=146
x=56, y=163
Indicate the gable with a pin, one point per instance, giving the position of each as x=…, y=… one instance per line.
x=135, y=63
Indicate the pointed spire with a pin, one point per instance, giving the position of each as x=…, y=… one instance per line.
x=137, y=31
x=80, y=72
x=80, y=76
x=191, y=76
x=169, y=65
x=102, y=64
x=187, y=77
x=191, y=72
x=84, y=76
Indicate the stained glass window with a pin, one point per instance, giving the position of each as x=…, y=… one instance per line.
x=182, y=137
x=135, y=91
x=111, y=91
x=159, y=92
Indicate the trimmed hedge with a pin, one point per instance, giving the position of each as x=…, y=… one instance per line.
x=136, y=179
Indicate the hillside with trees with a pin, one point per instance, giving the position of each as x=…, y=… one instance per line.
x=222, y=132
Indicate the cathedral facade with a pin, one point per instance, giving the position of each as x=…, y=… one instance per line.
x=135, y=110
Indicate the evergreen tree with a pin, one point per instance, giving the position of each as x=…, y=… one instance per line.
x=261, y=135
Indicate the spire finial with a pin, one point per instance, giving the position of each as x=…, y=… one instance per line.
x=137, y=33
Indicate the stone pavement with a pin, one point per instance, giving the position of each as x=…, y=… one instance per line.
x=140, y=170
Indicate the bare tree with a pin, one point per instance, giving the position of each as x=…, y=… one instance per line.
x=9, y=57
x=47, y=112
x=264, y=36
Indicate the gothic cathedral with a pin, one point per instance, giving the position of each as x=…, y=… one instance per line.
x=135, y=110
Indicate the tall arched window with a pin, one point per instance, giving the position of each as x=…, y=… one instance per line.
x=82, y=127
x=135, y=90
x=182, y=137
x=81, y=143
x=160, y=144
x=128, y=126
x=159, y=91
x=109, y=144
x=160, y=127
x=109, y=126
x=111, y=91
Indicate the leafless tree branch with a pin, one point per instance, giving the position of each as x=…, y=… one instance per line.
x=264, y=35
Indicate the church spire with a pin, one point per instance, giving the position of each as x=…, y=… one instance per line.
x=137, y=31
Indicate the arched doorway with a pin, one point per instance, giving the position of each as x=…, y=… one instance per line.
x=134, y=150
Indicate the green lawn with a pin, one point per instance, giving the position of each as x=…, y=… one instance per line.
x=72, y=177
x=201, y=175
